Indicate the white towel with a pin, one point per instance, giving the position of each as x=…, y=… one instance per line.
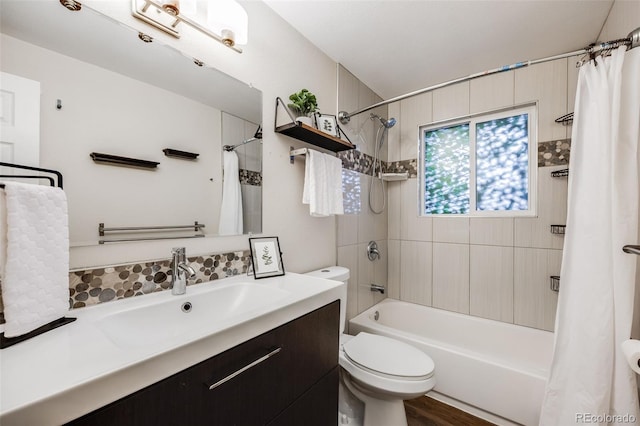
x=35, y=281
x=322, y=184
x=231, y=208
x=335, y=202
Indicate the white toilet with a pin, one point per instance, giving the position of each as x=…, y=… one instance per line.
x=379, y=371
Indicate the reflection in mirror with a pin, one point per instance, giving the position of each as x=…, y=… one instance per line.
x=103, y=89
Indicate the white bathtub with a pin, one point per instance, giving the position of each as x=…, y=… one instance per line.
x=497, y=368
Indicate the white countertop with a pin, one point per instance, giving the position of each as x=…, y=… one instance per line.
x=70, y=371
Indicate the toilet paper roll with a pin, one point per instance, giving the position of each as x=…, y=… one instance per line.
x=631, y=351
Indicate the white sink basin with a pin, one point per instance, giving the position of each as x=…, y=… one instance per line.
x=187, y=314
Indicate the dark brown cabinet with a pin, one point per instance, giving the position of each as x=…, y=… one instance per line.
x=287, y=376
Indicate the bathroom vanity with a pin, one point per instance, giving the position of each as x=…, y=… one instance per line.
x=261, y=352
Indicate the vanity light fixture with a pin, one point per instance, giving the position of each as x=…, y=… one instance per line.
x=72, y=5
x=227, y=21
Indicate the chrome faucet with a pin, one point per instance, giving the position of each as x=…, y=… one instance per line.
x=377, y=287
x=181, y=271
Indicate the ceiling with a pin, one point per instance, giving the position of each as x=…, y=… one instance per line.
x=399, y=46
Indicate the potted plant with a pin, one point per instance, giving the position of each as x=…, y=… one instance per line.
x=304, y=104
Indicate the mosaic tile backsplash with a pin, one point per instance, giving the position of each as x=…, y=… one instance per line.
x=92, y=286
x=99, y=285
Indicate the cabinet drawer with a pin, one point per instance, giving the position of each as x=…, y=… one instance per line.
x=308, y=350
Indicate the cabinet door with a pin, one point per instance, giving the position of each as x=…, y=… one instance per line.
x=317, y=407
x=161, y=404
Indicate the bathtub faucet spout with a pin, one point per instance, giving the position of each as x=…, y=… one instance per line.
x=377, y=287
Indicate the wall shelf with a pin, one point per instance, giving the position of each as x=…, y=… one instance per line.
x=560, y=173
x=116, y=160
x=391, y=177
x=175, y=153
x=308, y=134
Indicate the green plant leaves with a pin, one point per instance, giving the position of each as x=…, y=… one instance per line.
x=303, y=102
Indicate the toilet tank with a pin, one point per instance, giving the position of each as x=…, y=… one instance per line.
x=335, y=273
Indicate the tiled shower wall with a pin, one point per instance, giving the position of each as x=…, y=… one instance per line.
x=488, y=267
x=360, y=225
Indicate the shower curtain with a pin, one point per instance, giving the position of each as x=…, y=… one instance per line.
x=590, y=381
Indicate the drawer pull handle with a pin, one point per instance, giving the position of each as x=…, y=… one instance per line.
x=245, y=368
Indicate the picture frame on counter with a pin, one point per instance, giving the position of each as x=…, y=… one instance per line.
x=266, y=257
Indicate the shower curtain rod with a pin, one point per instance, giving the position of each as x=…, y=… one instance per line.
x=233, y=147
x=632, y=40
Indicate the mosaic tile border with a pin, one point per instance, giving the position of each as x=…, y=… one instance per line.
x=356, y=161
x=250, y=177
x=554, y=153
x=409, y=166
x=551, y=153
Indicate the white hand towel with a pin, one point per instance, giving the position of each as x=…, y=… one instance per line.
x=335, y=202
x=35, y=284
x=314, y=191
x=231, y=209
x=322, y=184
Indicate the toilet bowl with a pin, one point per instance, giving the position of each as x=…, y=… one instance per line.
x=379, y=371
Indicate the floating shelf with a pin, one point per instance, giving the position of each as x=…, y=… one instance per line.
x=123, y=161
x=169, y=152
x=555, y=283
x=310, y=135
x=558, y=229
x=560, y=173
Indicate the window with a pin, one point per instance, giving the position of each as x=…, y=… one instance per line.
x=484, y=165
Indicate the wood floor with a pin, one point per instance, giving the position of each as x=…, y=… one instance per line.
x=425, y=411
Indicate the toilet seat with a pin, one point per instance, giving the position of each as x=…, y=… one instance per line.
x=388, y=357
x=374, y=364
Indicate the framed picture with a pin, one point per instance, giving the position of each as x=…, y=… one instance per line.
x=266, y=257
x=328, y=124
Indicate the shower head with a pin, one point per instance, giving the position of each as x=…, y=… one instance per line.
x=389, y=123
x=386, y=123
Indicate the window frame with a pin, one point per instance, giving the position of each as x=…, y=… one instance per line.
x=529, y=108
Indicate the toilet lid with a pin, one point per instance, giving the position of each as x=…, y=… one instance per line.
x=388, y=356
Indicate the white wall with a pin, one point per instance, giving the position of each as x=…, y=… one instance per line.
x=278, y=61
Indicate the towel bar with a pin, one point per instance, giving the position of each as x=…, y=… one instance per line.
x=196, y=227
x=5, y=342
x=35, y=169
x=295, y=152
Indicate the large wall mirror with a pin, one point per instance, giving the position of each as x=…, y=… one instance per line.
x=103, y=89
